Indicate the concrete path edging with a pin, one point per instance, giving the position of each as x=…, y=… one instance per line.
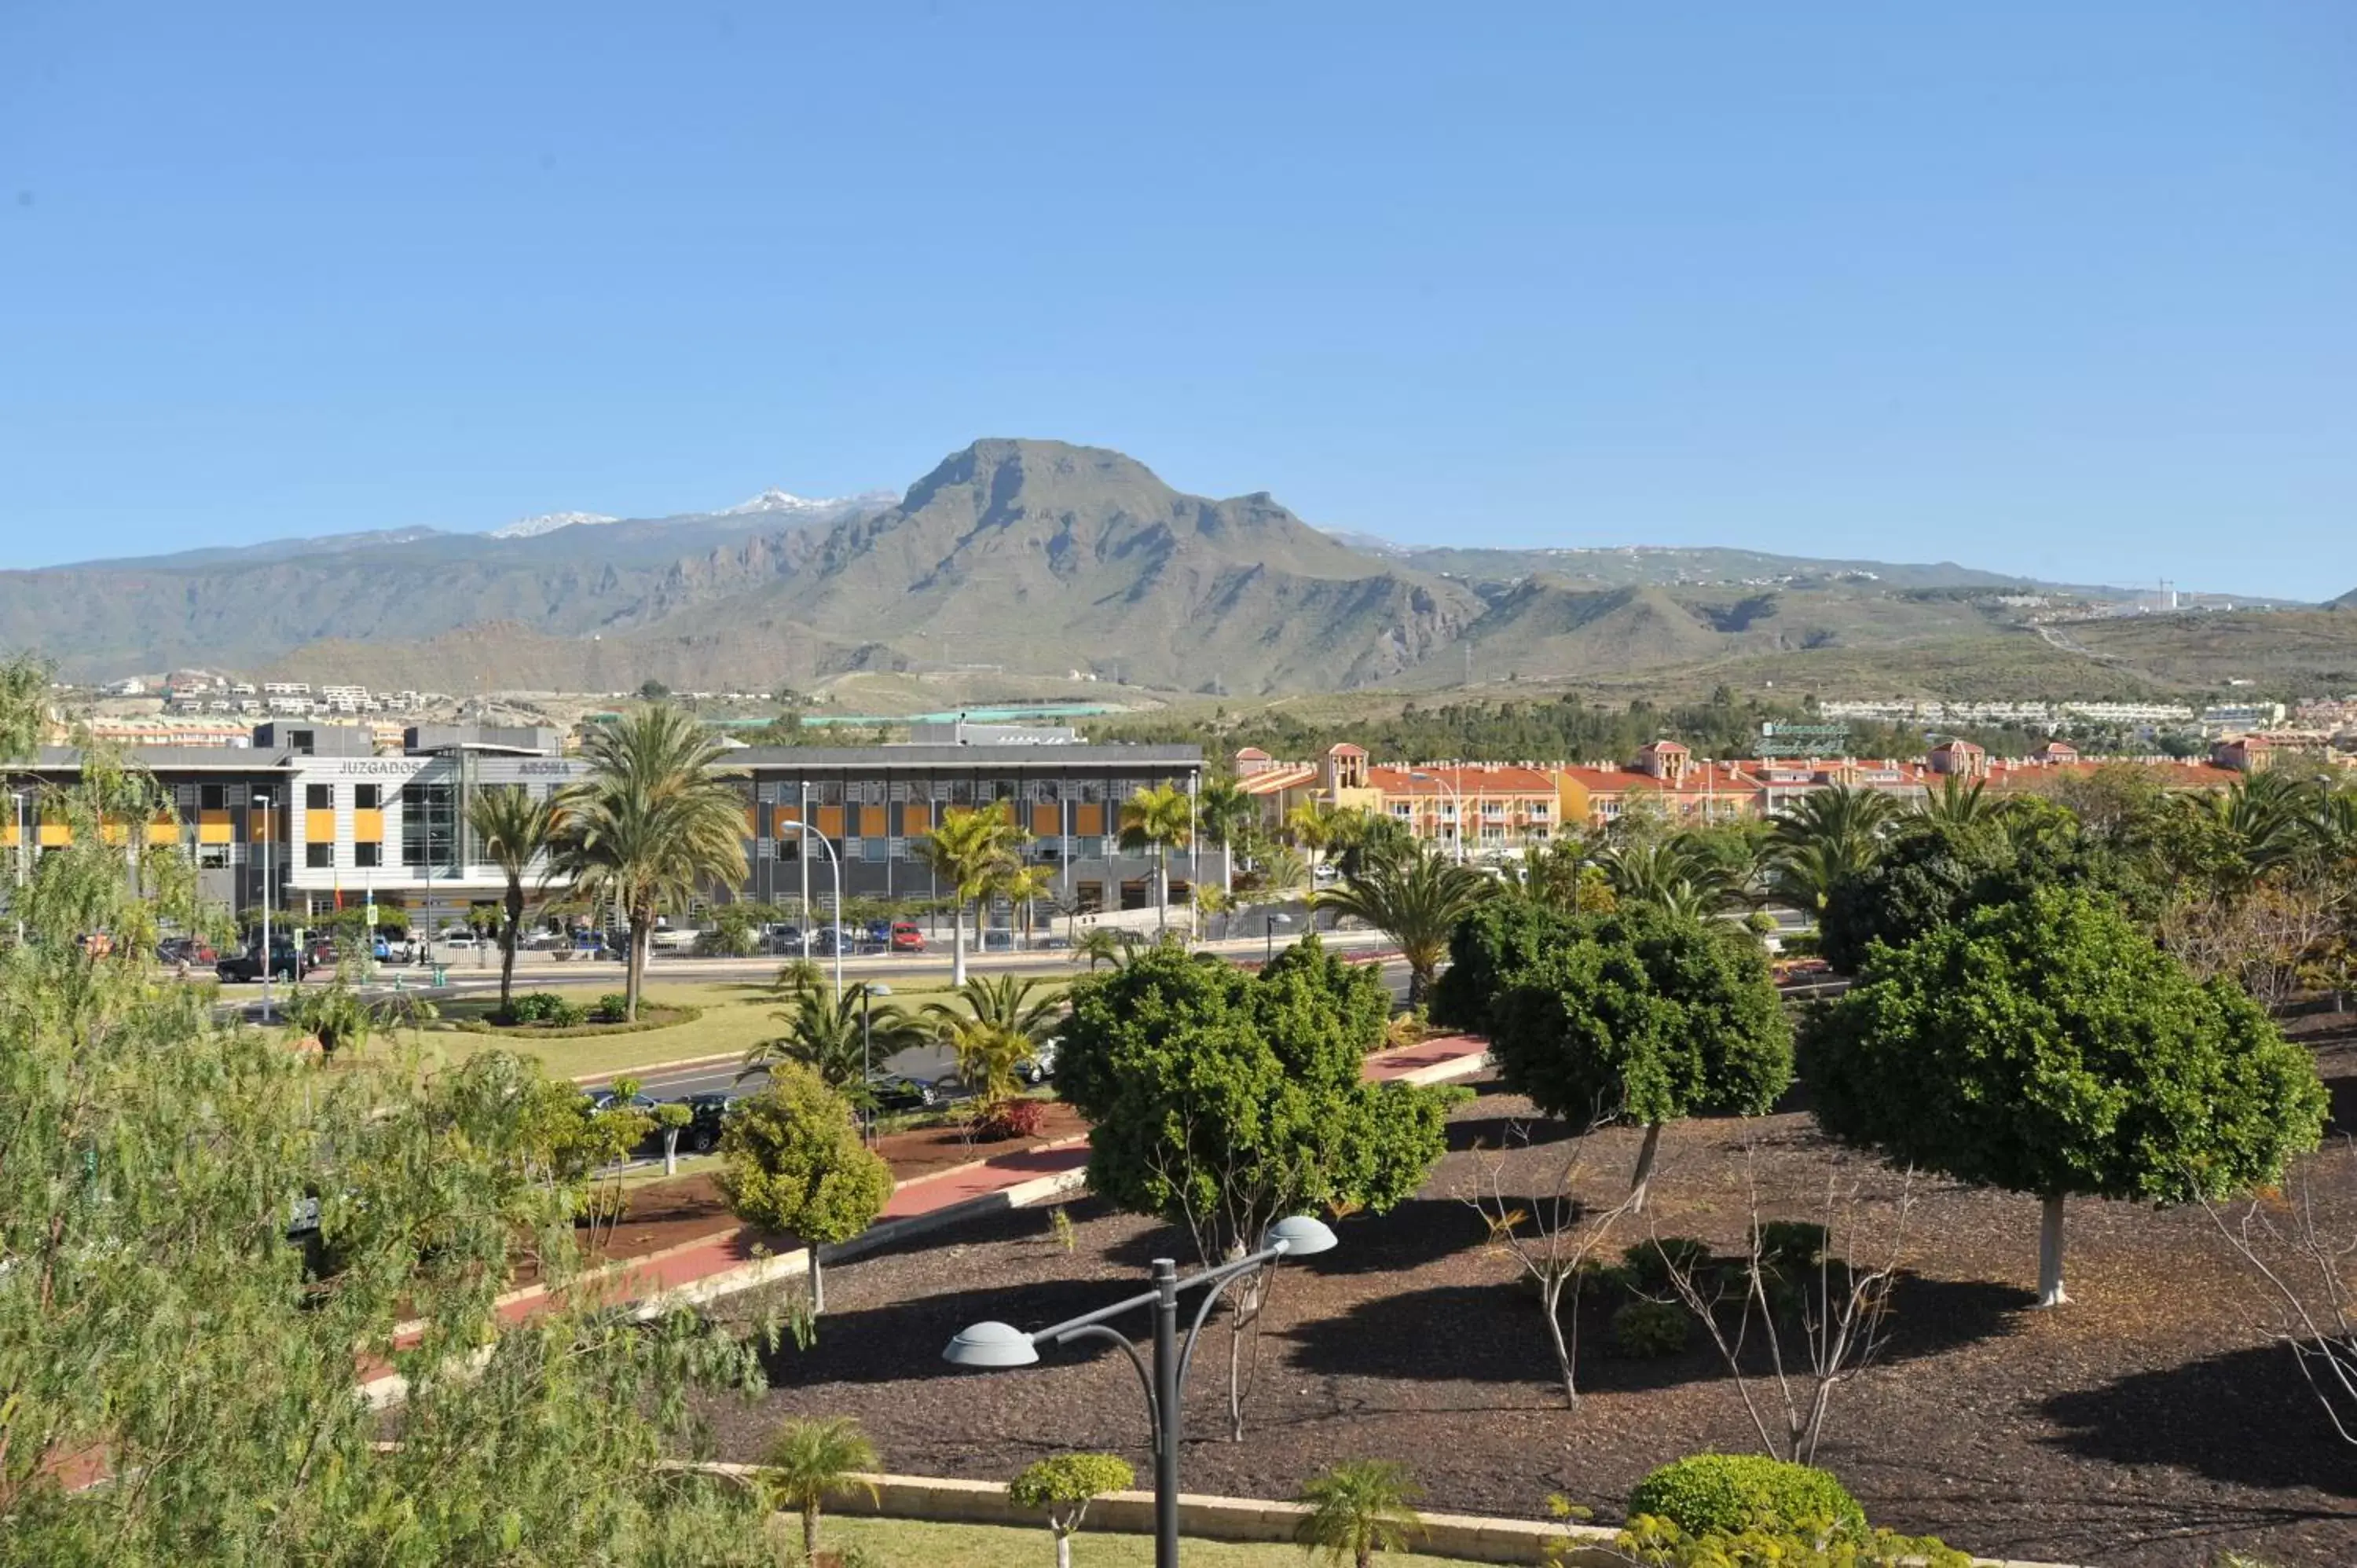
x=1465, y=1537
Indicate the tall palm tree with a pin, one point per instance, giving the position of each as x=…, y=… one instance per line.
x=1103, y=944
x=1313, y=827
x=1672, y=873
x=655, y=821
x=1222, y=810
x=1826, y=835
x=1023, y=887
x=811, y=1461
x=970, y=850
x=1417, y=899
x=1159, y=819
x=516, y=831
x=1028, y=1005
x=837, y=1038
x=1357, y=1509
x=2270, y=817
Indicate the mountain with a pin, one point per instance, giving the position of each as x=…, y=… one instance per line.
x=1040, y=558
x=549, y=523
x=2347, y=601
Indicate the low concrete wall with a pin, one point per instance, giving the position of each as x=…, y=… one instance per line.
x=1462, y=1536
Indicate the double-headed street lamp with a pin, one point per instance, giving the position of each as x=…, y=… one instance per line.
x=835, y=937
x=868, y=993
x=995, y=1345
x=1457, y=806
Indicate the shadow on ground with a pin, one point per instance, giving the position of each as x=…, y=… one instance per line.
x=2226, y=1417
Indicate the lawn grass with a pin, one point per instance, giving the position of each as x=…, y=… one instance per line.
x=736, y=1018
x=905, y=1543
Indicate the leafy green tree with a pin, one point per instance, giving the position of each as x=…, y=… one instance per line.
x=970, y=850
x=653, y=824
x=1492, y=940
x=1160, y=819
x=672, y=1117
x=2047, y=1047
x=811, y=1461
x=335, y=1014
x=1646, y=1016
x=1415, y=899
x=158, y=1323
x=23, y=705
x=836, y=1038
x=1223, y=1100
x=1936, y=869
x=516, y=833
x=1063, y=1486
x=791, y=1159
x=1358, y=1508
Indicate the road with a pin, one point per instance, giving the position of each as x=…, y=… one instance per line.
x=927, y=1064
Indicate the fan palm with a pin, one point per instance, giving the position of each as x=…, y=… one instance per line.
x=837, y=1038
x=1417, y=899
x=516, y=833
x=1357, y=1509
x=2270, y=818
x=653, y=824
x=970, y=850
x=1159, y=819
x=1022, y=1004
x=1313, y=827
x=1670, y=873
x=1023, y=887
x=811, y=1461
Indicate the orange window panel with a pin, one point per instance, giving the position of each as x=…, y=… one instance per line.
x=871, y=821
x=163, y=833
x=320, y=827
x=1088, y=821
x=1047, y=822
x=829, y=821
x=367, y=827
x=55, y=835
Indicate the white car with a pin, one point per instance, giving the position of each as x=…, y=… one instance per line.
x=674, y=937
x=458, y=940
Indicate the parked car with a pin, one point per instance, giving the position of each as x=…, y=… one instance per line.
x=186, y=950
x=606, y=1100
x=701, y=1135
x=1042, y=1067
x=893, y=1092
x=879, y=933
x=459, y=940
x=827, y=940
x=672, y=938
x=906, y=937
x=782, y=939
x=246, y=967
x=320, y=953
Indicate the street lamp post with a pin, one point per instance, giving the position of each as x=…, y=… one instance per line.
x=836, y=866
x=262, y=800
x=994, y=1346
x=16, y=800
x=1456, y=804
x=1269, y=955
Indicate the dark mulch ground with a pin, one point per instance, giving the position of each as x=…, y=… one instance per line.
x=2152, y=1423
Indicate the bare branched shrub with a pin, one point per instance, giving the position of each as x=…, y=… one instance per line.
x=2306, y=1270
x=1817, y=1322
x=1550, y=1234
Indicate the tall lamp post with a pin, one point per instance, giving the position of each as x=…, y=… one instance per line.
x=1456, y=804
x=262, y=800
x=836, y=865
x=17, y=798
x=1269, y=955
x=995, y=1345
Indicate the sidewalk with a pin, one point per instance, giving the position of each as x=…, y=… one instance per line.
x=728, y=1262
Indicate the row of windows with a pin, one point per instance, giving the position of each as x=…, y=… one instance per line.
x=322, y=797
x=947, y=791
x=898, y=848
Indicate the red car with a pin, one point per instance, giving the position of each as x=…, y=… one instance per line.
x=907, y=938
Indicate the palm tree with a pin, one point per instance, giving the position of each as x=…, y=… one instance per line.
x=1103, y=944
x=1314, y=826
x=970, y=850
x=516, y=831
x=811, y=1461
x=1826, y=835
x=1222, y=809
x=1670, y=873
x=1159, y=819
x=2270, y=818
x=995, y=1025
x=837, y=1038
x=1417, y=899
x=1023, y=887
x=1958, y=804
x=1283, y=870
x=1357, y=1509
x=653, y=824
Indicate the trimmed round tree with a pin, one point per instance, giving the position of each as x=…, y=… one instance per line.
x=1497, y=937
x=1062, y=1486
x=791, y=1159
x=2047, y=1047
x=1644, y=1014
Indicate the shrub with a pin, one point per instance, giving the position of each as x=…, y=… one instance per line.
x=612, y=1007
x=1730, y=1493
x=1653, y=1543
x=1016, y=1118
x=1792, y=1246
x=545, y=1007
x=1649, y=1263
x=1648, y=1330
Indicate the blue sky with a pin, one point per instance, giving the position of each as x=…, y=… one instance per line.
x=2069, y=290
